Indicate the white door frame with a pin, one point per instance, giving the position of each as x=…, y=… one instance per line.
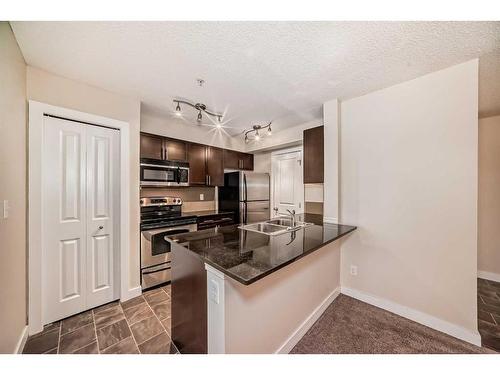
x=37, y=111
x=273, y=161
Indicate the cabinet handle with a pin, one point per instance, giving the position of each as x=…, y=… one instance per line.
x=209, y=179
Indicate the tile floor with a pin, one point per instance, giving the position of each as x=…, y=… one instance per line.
x=488, y=313
x=140, y=325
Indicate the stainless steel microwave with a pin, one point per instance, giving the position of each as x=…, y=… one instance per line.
x=164, y=173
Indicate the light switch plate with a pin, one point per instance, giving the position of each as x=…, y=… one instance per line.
x=5, y=209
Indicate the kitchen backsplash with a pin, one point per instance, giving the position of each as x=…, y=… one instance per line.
x=189, y=195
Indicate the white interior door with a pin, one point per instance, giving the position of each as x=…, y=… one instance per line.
x=288, y=186
x=102, y=202
x=78, y=171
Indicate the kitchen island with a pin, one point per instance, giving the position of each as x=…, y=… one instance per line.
x=242, y=291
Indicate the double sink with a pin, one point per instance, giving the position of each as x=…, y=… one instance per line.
x=275, y=226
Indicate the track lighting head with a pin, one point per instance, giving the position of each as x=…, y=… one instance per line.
x=253, y=134
x=178, y=110
x=200, y=107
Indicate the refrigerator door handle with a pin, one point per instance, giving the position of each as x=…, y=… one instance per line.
x=245, y=187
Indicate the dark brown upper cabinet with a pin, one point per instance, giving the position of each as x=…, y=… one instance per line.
x=175, y=150
x=206, y=165
x=238, y=160
x=197, y=158
x=246, y=161
x=314, y=155
x=161, y=148
x=215, y=166
x=151, y=146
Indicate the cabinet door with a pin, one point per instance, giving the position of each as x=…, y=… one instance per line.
x=313, y=155
x=246, y=161
x=175, y=149
x=151, y=147
x=215, y=166
x=231, y=159
x=197, y=164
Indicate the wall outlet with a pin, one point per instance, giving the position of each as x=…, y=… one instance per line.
x=5, y=209
x=202, y=197
x=354, y=270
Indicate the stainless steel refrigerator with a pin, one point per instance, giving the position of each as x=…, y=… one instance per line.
x=247, y=195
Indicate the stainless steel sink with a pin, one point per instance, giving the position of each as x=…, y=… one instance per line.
x=281, y=221
x=265, y=228
x=274, y=226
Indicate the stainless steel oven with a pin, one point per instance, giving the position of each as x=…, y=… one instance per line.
x=160, y=217
x=156, y=255
x=164, y=173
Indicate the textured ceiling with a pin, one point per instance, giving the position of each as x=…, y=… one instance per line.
x=259, y=71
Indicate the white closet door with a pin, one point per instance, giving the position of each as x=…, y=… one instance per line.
x=102, y=201
x=64, y=218
x=288, y=183
x=80, y=205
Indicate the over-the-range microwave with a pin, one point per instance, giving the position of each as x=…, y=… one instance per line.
x=164, y=173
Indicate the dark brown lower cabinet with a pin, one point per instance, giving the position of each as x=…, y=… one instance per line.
x=189, y=302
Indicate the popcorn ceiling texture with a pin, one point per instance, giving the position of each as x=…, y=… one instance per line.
x=286, y=70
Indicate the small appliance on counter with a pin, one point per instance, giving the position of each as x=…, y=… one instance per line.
x=246, y=194
x=164, y=173
x=160, y=217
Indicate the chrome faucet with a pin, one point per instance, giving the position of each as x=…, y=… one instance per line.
x=292, y=217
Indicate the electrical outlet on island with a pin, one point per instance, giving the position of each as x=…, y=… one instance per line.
x=202, y=197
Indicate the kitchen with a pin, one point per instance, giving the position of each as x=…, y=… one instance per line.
x=170, y=169
x=220, y=203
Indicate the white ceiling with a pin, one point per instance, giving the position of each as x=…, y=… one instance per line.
x=259, y=71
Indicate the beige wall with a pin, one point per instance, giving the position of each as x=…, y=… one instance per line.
x=261, y=317
x=409, y=182
x=52, y=89
x=262, y=162
x=12, y=188
x=171, y=127
x=489, y=195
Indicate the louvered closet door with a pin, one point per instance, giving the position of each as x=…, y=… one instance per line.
x=79, y=167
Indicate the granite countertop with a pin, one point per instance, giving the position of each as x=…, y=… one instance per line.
x=205, y=213
x=247, y=256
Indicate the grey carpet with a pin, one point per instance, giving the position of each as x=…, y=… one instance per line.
x=351, y=326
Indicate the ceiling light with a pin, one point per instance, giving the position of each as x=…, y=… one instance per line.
x=218, y=125
x=178, y=110
x=253, y=134
x=200, y=107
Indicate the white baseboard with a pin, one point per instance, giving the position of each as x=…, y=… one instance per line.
x=131, y=293
x=420, y=317
x=489, y=276
x=295, y=337
x=22, y=341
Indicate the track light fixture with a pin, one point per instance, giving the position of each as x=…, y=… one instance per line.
x=202, y=108
x=254, y=135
